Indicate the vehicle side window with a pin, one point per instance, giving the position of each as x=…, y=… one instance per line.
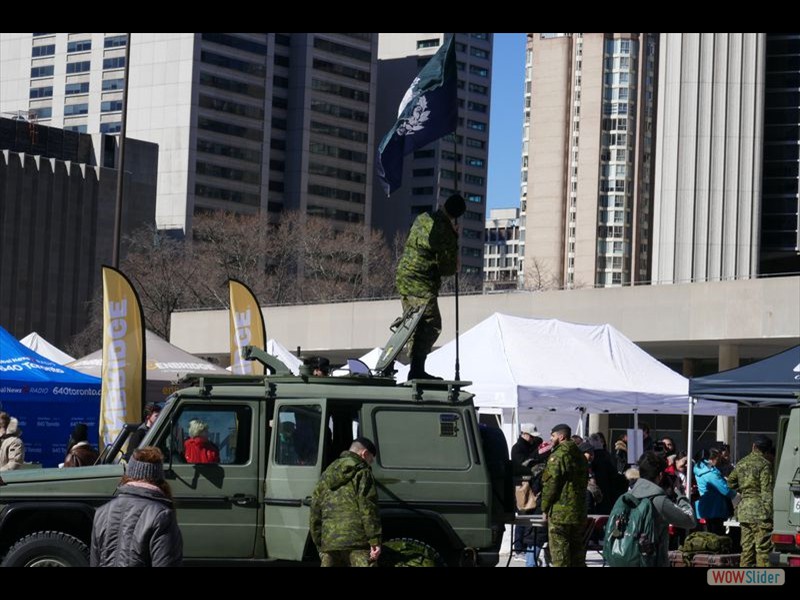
x=209, y=434
x=439, y=439
x=298, y=435
x=343, y=427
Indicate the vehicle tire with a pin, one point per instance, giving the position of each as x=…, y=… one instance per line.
x=409, y=552
x=47, y=549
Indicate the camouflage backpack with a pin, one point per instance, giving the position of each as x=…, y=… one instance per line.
x=705, y=542
x=406, y=552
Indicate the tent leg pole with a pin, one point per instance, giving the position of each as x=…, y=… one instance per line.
x=689, y=444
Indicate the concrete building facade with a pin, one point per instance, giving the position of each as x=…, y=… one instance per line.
x=244, y=122
x=706, y=212
x=587, y=157
x=502, y=252
x=57, y=210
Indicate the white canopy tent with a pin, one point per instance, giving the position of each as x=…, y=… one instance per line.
x=44, y=348
x=544, y=370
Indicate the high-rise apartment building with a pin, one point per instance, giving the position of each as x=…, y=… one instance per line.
x=502, y=253
x=710, y=128
x=244, y=121
x=587, y=157
x=780, y=187
x=429, y=174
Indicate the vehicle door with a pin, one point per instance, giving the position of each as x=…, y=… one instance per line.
x=294, y=467
x=216, y=501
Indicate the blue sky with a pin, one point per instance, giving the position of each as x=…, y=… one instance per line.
x=505, y=127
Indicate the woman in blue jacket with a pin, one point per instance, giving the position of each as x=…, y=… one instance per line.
x=714, y=492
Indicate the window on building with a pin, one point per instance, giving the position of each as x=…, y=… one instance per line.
x=46, y=71
x=47, y=50
x=479, y=52
x=41, y=92
x=76, y=109
x=115, y=41
x=79, y=46
x=429, y=43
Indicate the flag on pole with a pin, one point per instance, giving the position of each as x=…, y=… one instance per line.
x=428, y=111
x=247, y=328
x=123, y=374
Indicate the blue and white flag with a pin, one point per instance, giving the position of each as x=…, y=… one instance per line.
x=428, y=111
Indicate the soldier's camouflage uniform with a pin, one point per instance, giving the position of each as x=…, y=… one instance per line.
x=431, y=252
x=564, y=484
x=344, y=518
x=752, y=478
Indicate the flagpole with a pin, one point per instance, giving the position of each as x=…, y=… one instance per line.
x=121, y=162
x=458, y=249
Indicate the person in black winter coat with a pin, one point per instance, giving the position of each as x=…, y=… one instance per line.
x=138, y=527
x=525, y=450
x=612, y=484
x=523, y=454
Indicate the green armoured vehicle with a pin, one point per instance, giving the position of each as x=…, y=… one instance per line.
x=443, y=479
x=786, y=495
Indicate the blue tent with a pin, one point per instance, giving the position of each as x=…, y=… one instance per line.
x=771, y=381
x=48, y=400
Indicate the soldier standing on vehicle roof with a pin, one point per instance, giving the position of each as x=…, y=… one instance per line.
x=431, y=252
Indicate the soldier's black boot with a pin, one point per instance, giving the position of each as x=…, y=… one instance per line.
x=417, y=370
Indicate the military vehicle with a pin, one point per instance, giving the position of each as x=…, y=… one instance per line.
x=443, y=479
x=786, y=494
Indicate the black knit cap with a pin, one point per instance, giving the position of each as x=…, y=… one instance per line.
x=455, y=205
x=145, y=471
x=368, y=444
x=80, y=433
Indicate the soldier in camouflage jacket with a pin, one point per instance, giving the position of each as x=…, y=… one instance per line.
x=431, y=252
x=344, y=521
x=564, y=499
x=752, y=478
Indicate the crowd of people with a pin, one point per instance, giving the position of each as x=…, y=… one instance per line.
x=574, y=478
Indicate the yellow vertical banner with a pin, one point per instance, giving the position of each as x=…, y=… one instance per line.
x=123, y=355
x=247, y=328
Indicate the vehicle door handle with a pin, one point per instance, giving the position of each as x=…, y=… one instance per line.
x=307, y=501
x=243, y=500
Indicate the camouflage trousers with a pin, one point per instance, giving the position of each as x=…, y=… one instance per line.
x=566, y=545
x=430, y=325
x=346, y=558
x=756, y=544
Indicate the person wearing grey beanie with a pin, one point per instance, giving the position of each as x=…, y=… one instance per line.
x=138, y=528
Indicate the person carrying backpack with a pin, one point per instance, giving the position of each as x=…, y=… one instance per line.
x=637, y=533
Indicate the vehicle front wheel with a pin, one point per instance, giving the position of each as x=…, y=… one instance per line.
x=47, y=549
